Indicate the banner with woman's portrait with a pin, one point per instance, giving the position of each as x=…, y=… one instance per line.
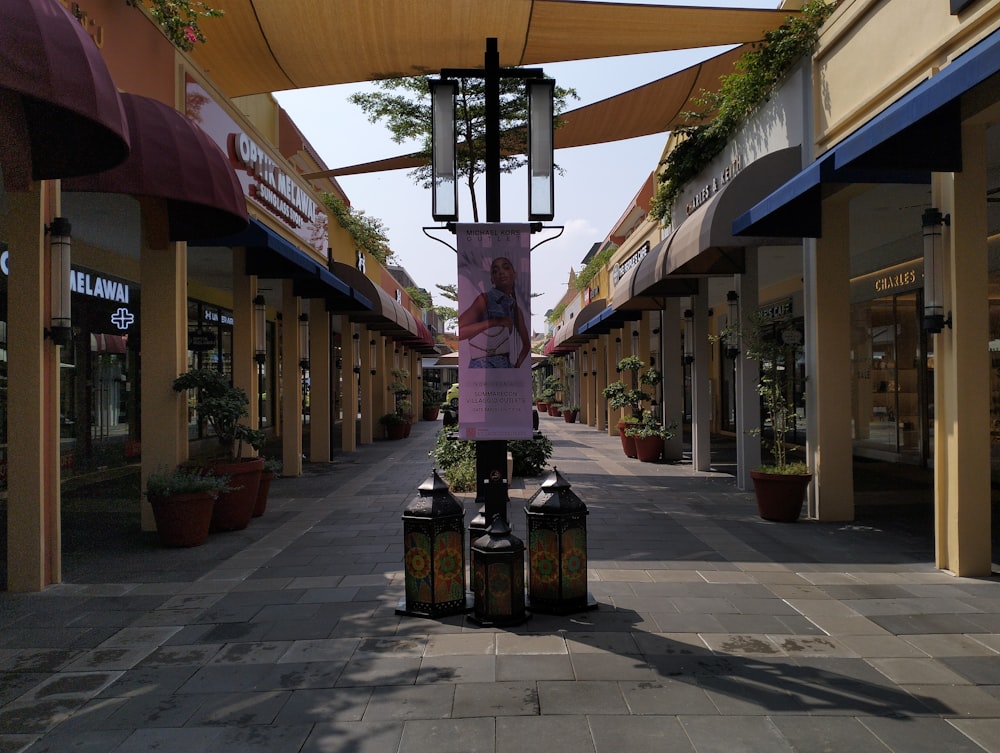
x=494, y=330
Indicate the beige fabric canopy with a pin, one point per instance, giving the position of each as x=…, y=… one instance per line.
x=271, y=45
x=656, y=107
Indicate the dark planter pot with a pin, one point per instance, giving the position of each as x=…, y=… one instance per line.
x=648, y=449
x=555, y=410
x=628, y=443
x=262, y=491
x=543, y=407
x=395, y=431
x=234, y=508
x=780, y=495
x=569, y=416
x=183, y=519
x=431, y=412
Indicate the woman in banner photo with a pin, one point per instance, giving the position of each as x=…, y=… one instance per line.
x=494, y=325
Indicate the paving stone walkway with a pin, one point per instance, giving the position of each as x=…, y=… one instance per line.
x=715, y=632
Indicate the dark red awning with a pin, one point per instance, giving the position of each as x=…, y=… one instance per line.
x=59, y=107
x=173, y=159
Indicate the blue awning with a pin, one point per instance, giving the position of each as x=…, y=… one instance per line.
x=916, y=135
x=608, y=320
x=271, y=256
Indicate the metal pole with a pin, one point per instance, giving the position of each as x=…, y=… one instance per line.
x=492, y=77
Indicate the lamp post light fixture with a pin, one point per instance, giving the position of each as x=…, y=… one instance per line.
x=371, y=355
x=618, y=352
x=688, y=336
x=635, y=342
x=357, y=352
x=60, y=242
x=444, y=162
x=541, y=164
x=304, y=359
x=934, y=319
x=260, y=351
x=732, y=334
x=593, y=361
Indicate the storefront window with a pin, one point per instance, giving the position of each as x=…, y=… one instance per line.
x=890, y=394
x=210, y=346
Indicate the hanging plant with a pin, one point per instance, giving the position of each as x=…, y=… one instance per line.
x=179, y=19
x=757, y=73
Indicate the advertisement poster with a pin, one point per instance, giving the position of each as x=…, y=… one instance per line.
x=494, y=330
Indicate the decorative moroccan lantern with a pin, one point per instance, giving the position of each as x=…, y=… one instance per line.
x=498, y=577
x=557, y=548
x=434, y=551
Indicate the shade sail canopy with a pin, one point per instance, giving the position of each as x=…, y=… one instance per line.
x=263, y=46
x=656, y=107
x=58, y=104
x=174, y=160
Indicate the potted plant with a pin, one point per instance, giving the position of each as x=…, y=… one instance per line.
x=183, y=500
x=272, y=468
x=550, y=390
x=621, y=396
x=223, y=406
x=649, y=437
x=393, y=424
x=779, y=486
x=432, y=402
x=569, y=413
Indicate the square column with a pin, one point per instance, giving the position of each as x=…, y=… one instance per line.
x=962, y=369
x=672, y=366
x=601, y=413
x=350, y=347
x=33, y=477
x=827, y=296
x=367, y=409
x=291, y=383
x=701, y=381
x=322, y=381
x=163, y=329
x=244, y=365
x=748, y=454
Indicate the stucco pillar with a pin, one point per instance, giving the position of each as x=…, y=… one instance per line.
x=962, y=370
x=602, y=414
x=291, y=383
x=672, y=367
x=244, y=365
x=747, y=377
x=701, y=386
x=33, y=475
x=350, y=350
x=368, y=342
x=322, y=381
x=163, y=330
x=827, y=341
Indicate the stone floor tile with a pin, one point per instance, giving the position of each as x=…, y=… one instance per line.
x=639, y=734
x=544, y=734
x=449, y=736
x=829, y=734
x=358, y=737
x=398, y=703
x=458, y=644
x=949, y=645
x=495, y=699
x=530, y=645
x=609, y=666
x=589, y=643
x=907, y=671
x=920, y=735
x=738, y=734
x=880, y=646
x=984, y=732
x=324, y=705
x=540, y=667
x=457, y=669
x=667, y=696
x=580, y=697
x=188, y=739
x=391, y=671
x=98, y=741
x=260, y=739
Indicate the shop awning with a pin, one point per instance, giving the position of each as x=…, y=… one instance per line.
x=174, y=160
x=58, y=105
x=607, y=320
x=916, y=135
x=384, y=314
x=638, y=289
x=271, y=256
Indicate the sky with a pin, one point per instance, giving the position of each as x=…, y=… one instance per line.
x=596, y=187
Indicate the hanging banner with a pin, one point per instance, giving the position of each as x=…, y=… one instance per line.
x=494, y=338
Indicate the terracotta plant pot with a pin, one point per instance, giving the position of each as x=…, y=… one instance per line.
x=628, y=443
x=262, y=491
x=569, y=416
x=554, y=410
x=543, y=406
x=234, y=508
x=780, y=495
x=183, y=519
x=648, y=449
x=395, y=431
x=431, y=412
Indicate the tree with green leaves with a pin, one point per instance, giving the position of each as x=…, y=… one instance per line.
x=405, y=106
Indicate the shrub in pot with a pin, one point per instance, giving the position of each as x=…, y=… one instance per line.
x=393, y=424
x=272, y=468
x=649, y=437
x=223, y=407
x=629, y=397
x=183, y=500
